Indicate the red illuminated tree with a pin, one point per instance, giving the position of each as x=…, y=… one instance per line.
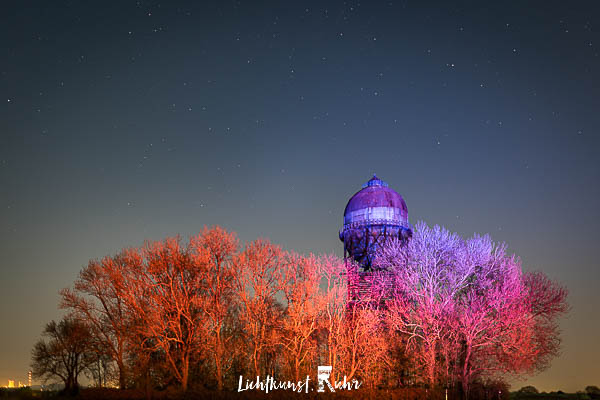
x=97, y=297
x=356, y=341
x=213, y=251
x=165, y=296
x=365, y=344
x=302, y=310
x=259, y=277
x=333, y=313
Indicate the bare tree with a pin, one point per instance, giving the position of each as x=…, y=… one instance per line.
x=213, y=251
x=302, y=311
x=165, y=294
x=259, y=278
x=491, y=316
x=547, y=302
x=333, y=310
x=100, y=368
x=63, y=355
x=467, y=310
x=97, y=297
x=427, y=274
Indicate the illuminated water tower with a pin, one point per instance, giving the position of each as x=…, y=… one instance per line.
x=372, y=216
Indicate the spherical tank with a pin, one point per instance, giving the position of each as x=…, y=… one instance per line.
x=373, y=215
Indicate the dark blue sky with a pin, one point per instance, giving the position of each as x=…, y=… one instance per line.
x=124, y=121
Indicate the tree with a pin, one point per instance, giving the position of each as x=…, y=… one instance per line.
x=165, y=295
x=365, y=343
x=546, y=301
x=63, y=354
x=593, y=391
x=302, y=311
x=97, y=297
x=528, y=390
x=427, y=274
x=467, y=310
x=100, y=368
x=213, y=251
x=491, y=316
x=259, y=278
x=333, y=313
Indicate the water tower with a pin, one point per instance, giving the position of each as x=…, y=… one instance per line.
x=374, y=215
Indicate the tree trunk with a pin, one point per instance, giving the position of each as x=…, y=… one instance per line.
x=219, y=371
x=431, y=365
x=122, y=379
x=256, y=369
x=185, y=373
x=219, y=360
x=465, y=372
x=70, y=385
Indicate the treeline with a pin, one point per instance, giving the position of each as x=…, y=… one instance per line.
x=442, y=312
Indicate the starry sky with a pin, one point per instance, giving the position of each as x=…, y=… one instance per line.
x=124, y=121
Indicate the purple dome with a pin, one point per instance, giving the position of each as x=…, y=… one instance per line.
x=376, y=203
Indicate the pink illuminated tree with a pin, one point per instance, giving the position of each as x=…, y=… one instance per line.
x=466, y=310
x=490, y=316
x=427, y=275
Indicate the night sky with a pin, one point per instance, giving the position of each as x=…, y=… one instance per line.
x=125, y=121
